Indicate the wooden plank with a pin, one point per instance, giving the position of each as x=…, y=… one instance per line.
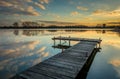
x=63, y=63
x=78, y=62
x=33, y=75
x=55, y=70
x=69, y=61
x=49, y=73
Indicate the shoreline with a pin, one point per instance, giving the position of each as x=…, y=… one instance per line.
x=58, y=28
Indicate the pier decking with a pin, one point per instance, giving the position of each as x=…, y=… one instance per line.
x=65, y=65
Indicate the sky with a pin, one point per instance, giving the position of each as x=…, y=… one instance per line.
x=83, y=12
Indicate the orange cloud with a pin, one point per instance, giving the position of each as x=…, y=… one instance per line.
x=41, y=49
x=33, y=44
x=115, y=62
x=115, y=43
x=97, y=12
x=88, y=18
x=4, y=3
x=74, y=13
x=44, y=1
x=46, y=54
x=28, y=0
x=107, y=13
x=17, y=7
x=32, y=11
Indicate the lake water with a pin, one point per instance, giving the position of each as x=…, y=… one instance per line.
x=21, y=49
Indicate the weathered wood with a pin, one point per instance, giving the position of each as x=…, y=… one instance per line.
x=29, y=75
x=65, y=65
x=48, y=72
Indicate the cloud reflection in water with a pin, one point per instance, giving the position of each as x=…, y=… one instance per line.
x=116, y=64
x=21, y=56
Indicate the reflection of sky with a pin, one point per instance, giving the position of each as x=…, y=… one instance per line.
x=20, y=50
x=17, y=53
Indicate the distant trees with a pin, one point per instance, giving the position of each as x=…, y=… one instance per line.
x=101, y=25
x=104, y=25
x=15, y=24
x=30, y=24
x=42, y=24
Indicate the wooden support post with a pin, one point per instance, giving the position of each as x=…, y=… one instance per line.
x=99, y=45
x=69, y=41
x=60, y=40
x=96, y=46
x=99, y=42
x=54, y=42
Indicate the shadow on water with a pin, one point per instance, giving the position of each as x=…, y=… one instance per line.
x=83, y=73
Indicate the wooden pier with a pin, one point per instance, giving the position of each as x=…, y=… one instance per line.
x=65, y=65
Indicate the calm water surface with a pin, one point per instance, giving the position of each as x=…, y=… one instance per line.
x=21, y=49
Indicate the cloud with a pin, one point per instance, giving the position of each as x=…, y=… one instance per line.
x=22, y=7
x=82, y=8
x=7, y=51
x=28, y=0
x=16, y=14
x=46, y=54
x=56, y=22
x=74, y=13
x=31, y=11
x=114, y=43
x=41, y=49
x=114, y=22
x=115, y=12
x=88, y=18
x=4, y=3
x=99, y=12
x=56, y=16
x=20, y=11
x=115, y=62
x=44, y=1
x=33, y=44
x=40, y=6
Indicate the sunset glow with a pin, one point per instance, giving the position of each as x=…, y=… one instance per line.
x=83, y=12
